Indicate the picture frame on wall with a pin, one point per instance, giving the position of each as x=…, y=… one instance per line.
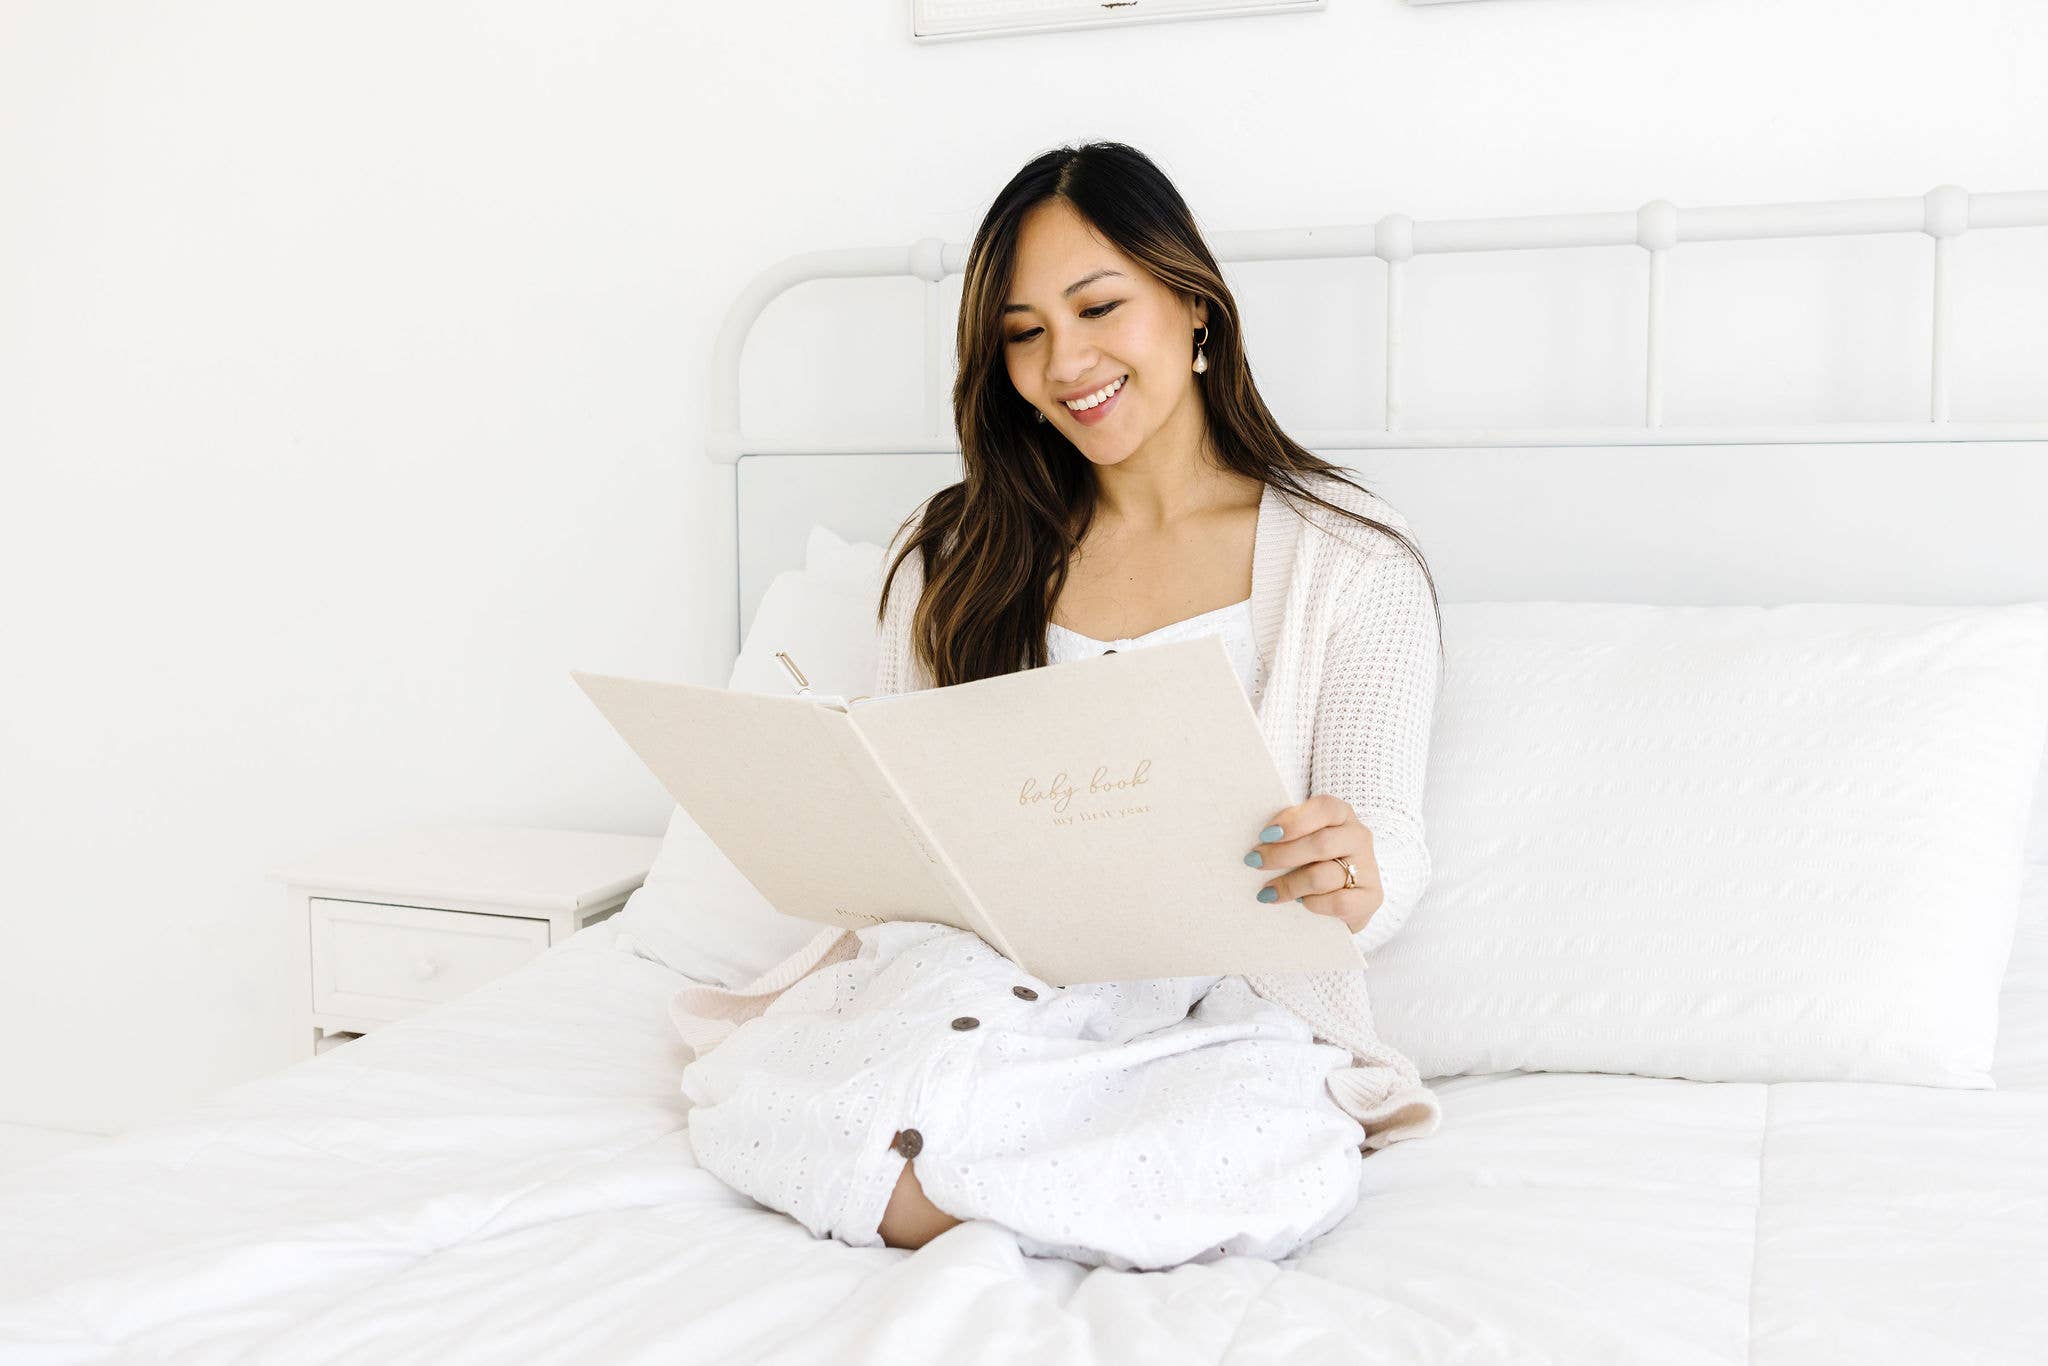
x=933, y=21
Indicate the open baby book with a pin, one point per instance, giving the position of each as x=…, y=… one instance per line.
x=1088, y=820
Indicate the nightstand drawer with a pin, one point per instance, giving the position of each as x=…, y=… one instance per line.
x=382, y=961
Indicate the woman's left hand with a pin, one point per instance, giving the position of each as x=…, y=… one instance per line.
x=1310, y=835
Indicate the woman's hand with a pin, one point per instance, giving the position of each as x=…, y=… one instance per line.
x=1306, y=837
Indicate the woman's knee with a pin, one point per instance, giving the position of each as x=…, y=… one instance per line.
x=912, y=1220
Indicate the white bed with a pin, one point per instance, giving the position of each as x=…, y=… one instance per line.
x=467, y=1186
x=507, y=1177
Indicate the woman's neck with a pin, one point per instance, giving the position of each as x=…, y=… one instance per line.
x=1141, y=502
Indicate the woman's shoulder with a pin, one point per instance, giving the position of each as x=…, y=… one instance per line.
x=1369, y=542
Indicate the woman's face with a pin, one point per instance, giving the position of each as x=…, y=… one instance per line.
x=1121, y=324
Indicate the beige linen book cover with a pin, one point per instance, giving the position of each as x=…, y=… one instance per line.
x=1089, y=820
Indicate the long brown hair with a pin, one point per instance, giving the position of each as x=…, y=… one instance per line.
x=997, y=544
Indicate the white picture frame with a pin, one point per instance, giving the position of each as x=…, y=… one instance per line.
x=939, y=21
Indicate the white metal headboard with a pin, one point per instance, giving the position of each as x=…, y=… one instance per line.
x=1659, y=228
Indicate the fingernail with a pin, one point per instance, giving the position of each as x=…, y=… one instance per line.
x=1268, y=894
x=1270, y=833
x=1254, y=860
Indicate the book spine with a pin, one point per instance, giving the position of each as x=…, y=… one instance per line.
x=948, y=876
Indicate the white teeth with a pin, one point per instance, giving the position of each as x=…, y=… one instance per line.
x=1101, y=395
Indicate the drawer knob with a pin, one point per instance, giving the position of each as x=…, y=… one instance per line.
x=425, y=968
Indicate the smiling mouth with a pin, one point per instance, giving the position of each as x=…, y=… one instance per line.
x=1100, y=412
x=1107, y=392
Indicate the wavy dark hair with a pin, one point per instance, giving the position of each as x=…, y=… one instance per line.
x=998, y=543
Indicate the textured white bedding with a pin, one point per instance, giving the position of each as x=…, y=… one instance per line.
x=506, y=1178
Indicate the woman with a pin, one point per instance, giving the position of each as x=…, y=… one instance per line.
x=1125, y=486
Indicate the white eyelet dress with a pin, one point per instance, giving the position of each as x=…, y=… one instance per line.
x=1133, y=1125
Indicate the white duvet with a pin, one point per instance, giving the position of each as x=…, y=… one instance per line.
x=507, y=1178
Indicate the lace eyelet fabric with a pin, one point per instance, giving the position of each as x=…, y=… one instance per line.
x=1233, y=623
x=1131, y=1125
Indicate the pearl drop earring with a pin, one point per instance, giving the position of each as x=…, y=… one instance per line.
x=1201, y=361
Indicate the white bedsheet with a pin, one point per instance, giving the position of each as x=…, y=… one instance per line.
x=506, y=1178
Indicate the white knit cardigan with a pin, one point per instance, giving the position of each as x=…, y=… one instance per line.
x=1344, y=624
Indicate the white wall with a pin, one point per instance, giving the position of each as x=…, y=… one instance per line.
x=353, y=362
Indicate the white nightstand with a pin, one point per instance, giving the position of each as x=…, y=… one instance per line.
x=388, y=926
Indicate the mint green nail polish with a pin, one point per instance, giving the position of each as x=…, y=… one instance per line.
x=1254, y=860
x=1268, y=894
x=1270, y=833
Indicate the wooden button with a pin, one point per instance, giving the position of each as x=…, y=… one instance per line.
x=908, y=1142
x=965, y=1022
x=1024, y=993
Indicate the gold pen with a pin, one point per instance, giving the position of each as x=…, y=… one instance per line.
x=803, y=685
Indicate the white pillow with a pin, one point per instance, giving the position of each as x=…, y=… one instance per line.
x=828, y=553
x=825, y=621
x=2037, y=838
x=1721, y=843
x=696, y=912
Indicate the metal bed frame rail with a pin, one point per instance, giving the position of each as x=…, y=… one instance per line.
x=1659, y=227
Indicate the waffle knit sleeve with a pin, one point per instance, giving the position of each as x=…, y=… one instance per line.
x=704, y=1014
x=1375, y=706
x=894, y=671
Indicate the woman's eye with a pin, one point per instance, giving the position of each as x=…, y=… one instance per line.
x=1094, y=312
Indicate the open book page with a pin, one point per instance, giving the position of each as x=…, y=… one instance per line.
x=787, y=791
x=1100, y=810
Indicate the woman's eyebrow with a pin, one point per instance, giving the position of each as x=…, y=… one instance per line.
x=1081, y=283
